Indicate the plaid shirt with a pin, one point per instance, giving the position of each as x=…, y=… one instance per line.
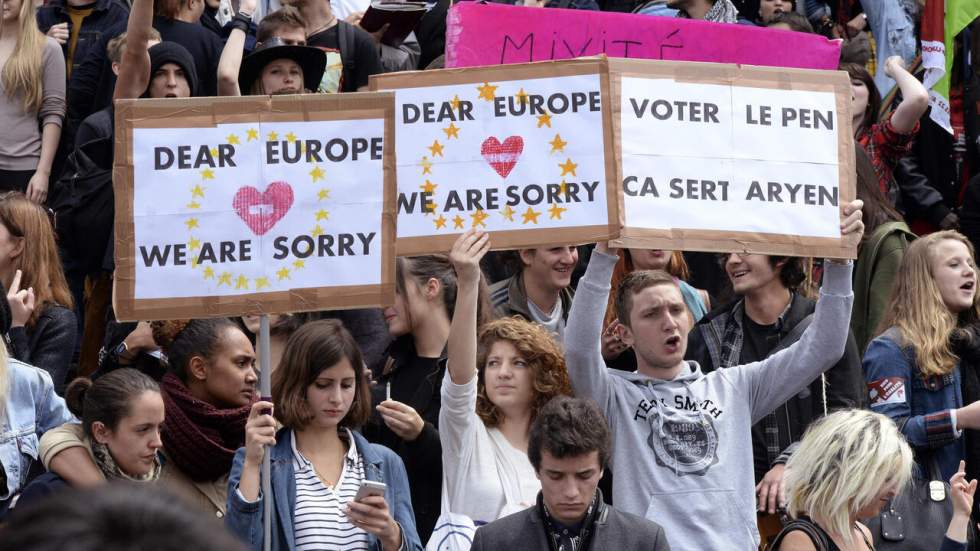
x=885, y=146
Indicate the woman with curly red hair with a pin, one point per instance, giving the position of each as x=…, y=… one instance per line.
x=497, y=383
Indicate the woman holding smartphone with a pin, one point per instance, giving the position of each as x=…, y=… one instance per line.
x=319, y=460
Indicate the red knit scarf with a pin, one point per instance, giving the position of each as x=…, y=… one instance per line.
x=198, y=437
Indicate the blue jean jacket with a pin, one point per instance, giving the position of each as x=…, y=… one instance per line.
x=894, y=30
x=380, y=464
x=31, y=408
x=921, y=407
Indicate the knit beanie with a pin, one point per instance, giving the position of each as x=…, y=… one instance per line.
x=172, y=52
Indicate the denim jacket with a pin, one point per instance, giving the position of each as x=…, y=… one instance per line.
x=380, y=464
x=31, y=408
x=108, y=19
x=923, y=408
x=893, y=27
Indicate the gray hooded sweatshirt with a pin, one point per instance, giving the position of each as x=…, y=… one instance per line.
x=682, y=449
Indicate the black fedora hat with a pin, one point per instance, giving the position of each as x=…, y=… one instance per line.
x=313, y=61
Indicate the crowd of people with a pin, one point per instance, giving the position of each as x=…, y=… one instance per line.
x=567, y=397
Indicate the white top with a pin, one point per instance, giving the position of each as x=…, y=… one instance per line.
x=484, y=477
x=319, y=520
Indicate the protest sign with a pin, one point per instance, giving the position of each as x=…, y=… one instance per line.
x=525, y=152
x=725, y=158
x=227, y=206
x=493, y=34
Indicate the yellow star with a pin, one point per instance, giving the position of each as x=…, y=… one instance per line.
x=261, y=283
x=521, y=97
x=272, y=137
x=558, y=144
x=508, y=213
x=290, y=137
x=478, y=218
x=242, y=282
x=232, y=139
x=556, y=211
x=225, y=278
x=198, y=191
x=544, y=119
x=283, y=274
x=209, y=273
x=251, y=134
x=568, y=167
x=191, y=224
x=322, y=215
x=193, y=205
x=317, y=231
x=207, y=174
x=452, y=131
x=299, y=264
x=455, y=102
x=458, y=222
x=430, y=208
x=426, y=166
x=428, y=187
x=531, y=216
x=317, y=174
x=214, y=151
x=194, y=244
x=487, y=91
x=436, y=149
x=440, y=222
x=324, y=193
x=194, y=262
x=563, y=188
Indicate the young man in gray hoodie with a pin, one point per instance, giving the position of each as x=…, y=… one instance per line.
x=682, y=444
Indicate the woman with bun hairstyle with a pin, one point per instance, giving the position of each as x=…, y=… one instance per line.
x=43, y=325
x=121, y=414
x=319, y=460
x=407, y=394
x=207, y=392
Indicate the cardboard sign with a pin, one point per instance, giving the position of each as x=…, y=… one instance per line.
x=725, y=158
x=525, y=152
x=227, y=206
x=493, y=34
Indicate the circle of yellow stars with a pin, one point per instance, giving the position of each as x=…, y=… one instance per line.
x=488, y=92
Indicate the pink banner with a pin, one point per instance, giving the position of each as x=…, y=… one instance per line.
x=493, y=34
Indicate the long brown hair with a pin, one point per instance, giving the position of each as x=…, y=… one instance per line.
x=22, y=71
x=877, y=209
x=38, y=261
x=858, y=72
x=917, y=309
x=544, y=358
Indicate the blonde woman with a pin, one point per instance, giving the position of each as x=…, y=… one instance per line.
x=911, y=371
x=32, y=101
x=849, y=464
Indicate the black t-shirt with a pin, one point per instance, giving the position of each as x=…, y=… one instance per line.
x=204, y=46
x=363, y=62
x=757, y=340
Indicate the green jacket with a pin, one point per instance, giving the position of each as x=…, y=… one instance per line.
x=874, y=272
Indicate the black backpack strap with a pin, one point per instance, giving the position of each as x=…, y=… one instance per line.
x=802, y=525
x=345, y=40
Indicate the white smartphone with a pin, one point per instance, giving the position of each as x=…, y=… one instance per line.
x=370, y=488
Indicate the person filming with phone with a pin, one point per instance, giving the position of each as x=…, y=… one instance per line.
x=332, y=489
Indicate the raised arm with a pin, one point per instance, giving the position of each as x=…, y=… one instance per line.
x=231, y=55
x=777, y=378
x=915, y=97
x=583, y=333
x=465, y=256
x=134, y=71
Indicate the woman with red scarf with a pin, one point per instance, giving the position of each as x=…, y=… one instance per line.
x=207, y=393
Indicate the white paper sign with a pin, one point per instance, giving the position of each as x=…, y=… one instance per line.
x=499, y=156
x=729, y=158
x=253, y=208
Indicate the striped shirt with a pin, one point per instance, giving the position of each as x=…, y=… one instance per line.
x=320, y=522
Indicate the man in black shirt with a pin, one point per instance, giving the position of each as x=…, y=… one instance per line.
x=768, y=315
x=352, y=56
x=180, y=21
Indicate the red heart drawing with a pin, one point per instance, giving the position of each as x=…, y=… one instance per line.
x=502, y=156
x=261, y=211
